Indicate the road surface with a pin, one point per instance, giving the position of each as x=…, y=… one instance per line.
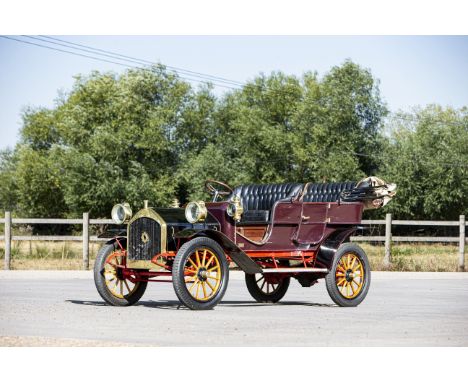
x=41, y=308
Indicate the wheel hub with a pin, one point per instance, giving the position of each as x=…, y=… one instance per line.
x=349, y=275
x=202, y=274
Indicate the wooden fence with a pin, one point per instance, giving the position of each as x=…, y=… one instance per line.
x=85, y=238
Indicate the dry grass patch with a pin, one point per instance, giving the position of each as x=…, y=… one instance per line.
x=415, y=257
x=49, y=255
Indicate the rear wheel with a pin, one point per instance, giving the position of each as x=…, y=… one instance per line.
x=200, y=273
x=109, y=281
x=267, y=287
x=349, y=278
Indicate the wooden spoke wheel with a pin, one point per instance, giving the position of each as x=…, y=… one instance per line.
x=115, y=282
x=200, y=273
x=267, y=288
x=349, y=275
x=109, y=280
x=349, y=279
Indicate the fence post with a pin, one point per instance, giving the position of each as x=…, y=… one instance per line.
x=85, y=241
x=461, y=258
x=7, y=240
x=388, y=240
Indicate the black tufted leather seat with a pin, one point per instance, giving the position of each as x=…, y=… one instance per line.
x=326, y=192
x=258, y=199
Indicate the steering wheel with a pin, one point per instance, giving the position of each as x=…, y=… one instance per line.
x=210, y=186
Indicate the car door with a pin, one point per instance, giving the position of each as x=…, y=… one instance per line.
x=313, y=222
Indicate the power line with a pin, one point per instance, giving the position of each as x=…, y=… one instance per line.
x=108, y=61
x=139, y=61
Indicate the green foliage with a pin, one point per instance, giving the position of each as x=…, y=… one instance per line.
x=146, y=134
x=428, y=159
x=9, y=194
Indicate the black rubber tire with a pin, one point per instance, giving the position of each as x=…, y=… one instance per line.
x=178, y=277
x=99, y=280
x=330, y=280
x=263, y=297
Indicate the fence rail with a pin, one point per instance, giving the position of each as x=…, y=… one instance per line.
x=387, y=239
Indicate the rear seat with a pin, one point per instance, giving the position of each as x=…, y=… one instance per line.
x=326, y=192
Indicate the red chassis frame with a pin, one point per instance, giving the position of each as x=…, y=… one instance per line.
x=307, y=223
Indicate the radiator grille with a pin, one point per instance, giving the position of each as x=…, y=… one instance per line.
x=144, y=239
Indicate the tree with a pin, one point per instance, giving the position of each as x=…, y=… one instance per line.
x=9, y=194
x=112, y=138
x=281, y=128
x=428, y=158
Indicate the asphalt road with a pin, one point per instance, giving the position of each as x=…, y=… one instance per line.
x=53, y=308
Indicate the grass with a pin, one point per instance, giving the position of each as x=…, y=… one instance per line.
x=49, y=255
x=415, y=257
x=68, y=256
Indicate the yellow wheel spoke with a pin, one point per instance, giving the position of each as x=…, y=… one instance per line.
x=205, y=294
x=198, y=258
x=209, y=261
x=198, y=289
x=191, y=261
x=215, y=268
x=352, y=262
x=211, y=286
x=204, y=258
x=213, y=277
x=191, y=288
x=341, y=281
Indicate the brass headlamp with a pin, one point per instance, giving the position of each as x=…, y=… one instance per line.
x=196, y=212
x=121, y=213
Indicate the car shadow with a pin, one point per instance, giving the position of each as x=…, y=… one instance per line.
x=176, y=305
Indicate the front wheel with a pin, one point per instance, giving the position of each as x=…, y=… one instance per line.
x=108, y=278
x=349, y=278
x=200, y=273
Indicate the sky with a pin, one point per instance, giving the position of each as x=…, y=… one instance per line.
x=413, y=70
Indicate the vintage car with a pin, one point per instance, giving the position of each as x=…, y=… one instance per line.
x=272, y=232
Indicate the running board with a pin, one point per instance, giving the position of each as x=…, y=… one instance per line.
x=295, y=270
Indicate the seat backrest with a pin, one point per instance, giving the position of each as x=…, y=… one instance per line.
x=263, y=196
x=326, y=192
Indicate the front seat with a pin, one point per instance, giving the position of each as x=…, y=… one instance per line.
x=258, y=199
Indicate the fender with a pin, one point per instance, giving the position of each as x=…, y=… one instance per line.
x=330, y=245
x=122, y=241
x=237, y=255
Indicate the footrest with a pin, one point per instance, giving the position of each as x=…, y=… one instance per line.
x=295, y=270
